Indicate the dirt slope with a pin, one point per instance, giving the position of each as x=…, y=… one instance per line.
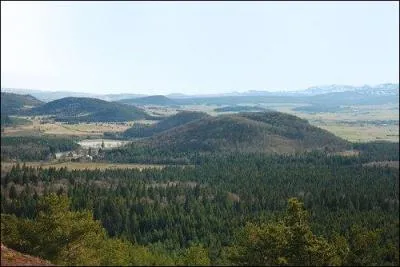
x=10, y=257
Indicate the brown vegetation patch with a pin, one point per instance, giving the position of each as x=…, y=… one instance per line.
x=348, y=153
x=233, y=197
x=10, y=257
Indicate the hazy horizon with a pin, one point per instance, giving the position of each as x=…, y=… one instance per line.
x=196, y=47
x=12, y=89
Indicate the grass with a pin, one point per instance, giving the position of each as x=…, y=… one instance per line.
x=363, y=133
x=390, y=164
x=57, y=128
x=347, y=124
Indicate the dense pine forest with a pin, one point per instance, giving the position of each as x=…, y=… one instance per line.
x=201, y=134
x=220, y=209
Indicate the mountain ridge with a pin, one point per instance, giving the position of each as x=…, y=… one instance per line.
x=84, y=109
x=314, y=90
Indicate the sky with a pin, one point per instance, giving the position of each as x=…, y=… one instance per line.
x=197, y=47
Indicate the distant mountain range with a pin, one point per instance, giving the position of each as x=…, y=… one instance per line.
x=381, y=89
x=389, y=89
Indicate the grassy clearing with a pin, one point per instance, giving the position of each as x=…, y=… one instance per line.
x=348, y=153
x=356, y=124
x=363, y=133
x=97, y=143
x=57, y=128
x=390, y=164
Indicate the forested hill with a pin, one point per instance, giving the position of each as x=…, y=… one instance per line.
x=176, y=120
x=82, y=109
x=265, y=132
x=158, y=100
x=12, y=103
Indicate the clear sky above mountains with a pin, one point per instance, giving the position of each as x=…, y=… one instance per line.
x=197, y=47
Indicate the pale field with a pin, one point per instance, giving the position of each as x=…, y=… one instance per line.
x=364, y=133
x=356, y=113
x=96, y=143
x=160, y=110
x=362, y=117
x=81, y=129
x=390, y=164
x=6, y=166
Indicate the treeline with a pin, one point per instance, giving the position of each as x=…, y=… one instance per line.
x=67, y=237
x=81, y=240
x=142, y=153
x=29, y=148
x=7, y=121
x=378, y=150
x=175, y=208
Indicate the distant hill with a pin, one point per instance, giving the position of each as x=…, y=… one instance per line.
x=176, y=120
x=48, y=96
x=158, y=100
x=82, y=109
x=13, y=103
x=239, y=109
x=265, y=132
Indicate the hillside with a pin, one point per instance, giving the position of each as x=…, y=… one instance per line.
x=12, y=103
x=158, y=100
x=176, y=120
x=266, y=132
x=10, y=257
x=82, y=109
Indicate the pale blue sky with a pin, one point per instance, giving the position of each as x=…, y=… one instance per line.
x=197, y=47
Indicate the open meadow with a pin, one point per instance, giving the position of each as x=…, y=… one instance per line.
x=40, y=126
x=359, y=123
